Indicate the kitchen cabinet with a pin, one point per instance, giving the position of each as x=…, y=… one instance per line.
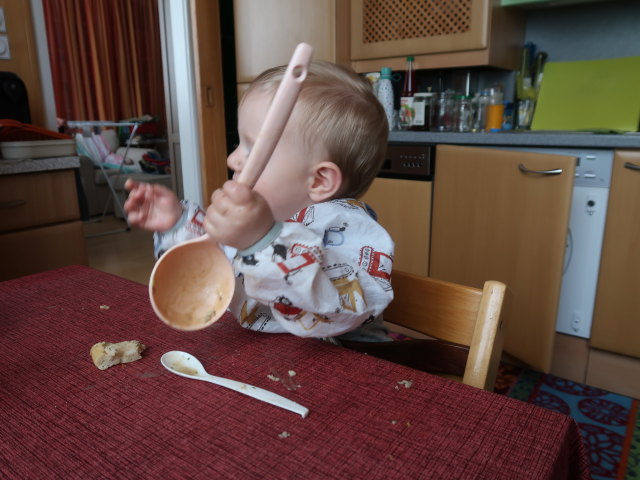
x=615, y=324
x=267, y=32
x=457, y=33
x=407, y=218
x=492, y=221
x=40, y=225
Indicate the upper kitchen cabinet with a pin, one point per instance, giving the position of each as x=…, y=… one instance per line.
x=439, y=34
x=267, y=32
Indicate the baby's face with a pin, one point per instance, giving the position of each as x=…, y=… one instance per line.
x=287, y=177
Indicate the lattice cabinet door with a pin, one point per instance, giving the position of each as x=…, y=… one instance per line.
x=390, y=28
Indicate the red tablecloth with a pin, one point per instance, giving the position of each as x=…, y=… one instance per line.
x=64, y=418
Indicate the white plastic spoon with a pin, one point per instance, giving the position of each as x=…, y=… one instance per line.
x=188, y=366
x=192, y=284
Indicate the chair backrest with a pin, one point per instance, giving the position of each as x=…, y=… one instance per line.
x=453, y=313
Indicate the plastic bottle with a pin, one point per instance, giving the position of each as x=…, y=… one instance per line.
x=385, y=94
x=406, y=99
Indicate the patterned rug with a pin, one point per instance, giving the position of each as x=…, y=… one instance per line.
x=610, y=423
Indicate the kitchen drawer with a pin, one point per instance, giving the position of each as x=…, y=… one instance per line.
x=35, y=199
x=38, y=249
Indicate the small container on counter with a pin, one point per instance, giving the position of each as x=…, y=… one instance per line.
x=407, y=112
x=480, y=102
x=406, y=98
x=464, y=114
x=422, y=106
x=507, y=121
x=495, y=110
x=385, y=95
x=443, y=112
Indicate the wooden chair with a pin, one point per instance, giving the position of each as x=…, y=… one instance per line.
x=463, y=324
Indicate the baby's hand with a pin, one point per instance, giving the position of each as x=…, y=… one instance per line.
x=151, y=206
x=238, y=216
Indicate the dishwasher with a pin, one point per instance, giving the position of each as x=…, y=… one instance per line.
x=584, y=237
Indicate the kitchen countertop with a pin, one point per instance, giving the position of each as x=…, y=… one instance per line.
x=523, y=139
x=28, y=165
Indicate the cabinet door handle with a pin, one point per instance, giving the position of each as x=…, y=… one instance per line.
x=12, y=203
x=631, y=166
x=555, y=171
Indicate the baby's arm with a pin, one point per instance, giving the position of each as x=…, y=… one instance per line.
x=324, y=278
x=151, y=206
x=154, y=207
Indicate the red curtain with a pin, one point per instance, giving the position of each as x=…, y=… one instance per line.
x=106, y=59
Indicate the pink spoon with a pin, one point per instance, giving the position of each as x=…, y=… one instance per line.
x=192, y=284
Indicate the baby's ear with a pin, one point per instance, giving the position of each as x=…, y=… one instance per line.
x=325, y=182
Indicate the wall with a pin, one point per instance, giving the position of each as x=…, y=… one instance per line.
x=24, y=54
x=587, y=31
x=593, y=31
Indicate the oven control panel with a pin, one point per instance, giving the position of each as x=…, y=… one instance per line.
x=408, y=160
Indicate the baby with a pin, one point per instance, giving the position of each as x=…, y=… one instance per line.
x=309, y=258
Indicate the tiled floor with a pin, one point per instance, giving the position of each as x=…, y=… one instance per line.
x=128, y=254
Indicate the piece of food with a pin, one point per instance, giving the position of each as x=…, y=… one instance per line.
x=105, y=354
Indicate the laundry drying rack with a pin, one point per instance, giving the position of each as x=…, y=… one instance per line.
x=89, y=127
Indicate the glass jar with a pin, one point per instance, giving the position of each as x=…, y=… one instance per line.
x=422, y=104
x=495, y=110
x=443, y=113
x=480, y=102
x=464, y=114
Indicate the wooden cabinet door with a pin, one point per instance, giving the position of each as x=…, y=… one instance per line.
x=616, y=320
x=492, y=221
x=267, y=32
x=390, y=28
x=35, y=250
x=404, y=209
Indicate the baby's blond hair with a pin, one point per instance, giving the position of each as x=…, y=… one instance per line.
x=338, y=109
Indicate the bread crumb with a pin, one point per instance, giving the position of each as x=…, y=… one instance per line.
x=105, y=354
x=284, y=435
x=273, y=377
x=405, y=383
x=104, y=307
x=292, y=373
